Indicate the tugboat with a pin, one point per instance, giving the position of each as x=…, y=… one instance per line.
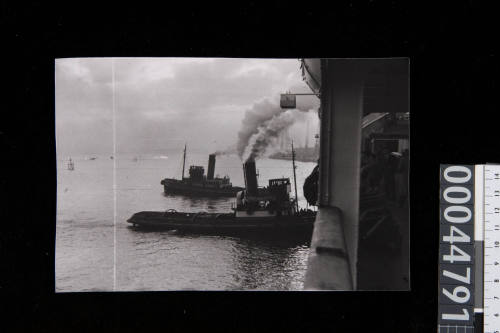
x=198, y=184
x=255, y=210
x=71, y=165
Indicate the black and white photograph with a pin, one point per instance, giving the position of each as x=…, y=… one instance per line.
x=232, y=174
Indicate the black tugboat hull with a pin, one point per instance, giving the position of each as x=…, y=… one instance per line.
x=211, y=223
x=171, y=186
x=201, y=192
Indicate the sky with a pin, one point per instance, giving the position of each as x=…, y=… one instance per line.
x=154, y=105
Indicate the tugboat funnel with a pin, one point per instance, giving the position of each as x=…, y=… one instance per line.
x=250, y=174
x=211, y=166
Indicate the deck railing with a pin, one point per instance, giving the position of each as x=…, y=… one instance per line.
x=328, y=263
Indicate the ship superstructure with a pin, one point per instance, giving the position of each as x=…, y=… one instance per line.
x=200, y=184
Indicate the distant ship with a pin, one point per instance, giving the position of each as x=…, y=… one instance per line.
x=71, y=165
x=199, y=184
x=304, y=154
x=301, y=155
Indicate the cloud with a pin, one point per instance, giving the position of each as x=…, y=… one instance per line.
x=255, y=68
x=158, y=100
x=72, y=68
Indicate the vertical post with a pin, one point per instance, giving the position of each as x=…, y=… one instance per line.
x=295, y=179
x=325, y=136
x=340, y=145
x=344, y=109
x=184, y=162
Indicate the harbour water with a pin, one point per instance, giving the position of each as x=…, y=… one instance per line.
x=97, y=250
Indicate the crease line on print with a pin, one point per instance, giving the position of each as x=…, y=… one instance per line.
x=114, y=172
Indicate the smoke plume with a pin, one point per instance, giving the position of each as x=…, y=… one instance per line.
x=268, y=133
x=264, y=122
x=221, y=152
x=260, y=113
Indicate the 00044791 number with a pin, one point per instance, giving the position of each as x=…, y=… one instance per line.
x=456, y=244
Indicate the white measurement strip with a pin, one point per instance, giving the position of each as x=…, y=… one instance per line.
x=491, y=248
x=478, y=236
x=479, y=203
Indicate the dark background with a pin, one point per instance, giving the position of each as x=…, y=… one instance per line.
x=454, y=88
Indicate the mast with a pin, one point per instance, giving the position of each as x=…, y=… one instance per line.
x=295, y=179
x=306, y=145
x=184, y=162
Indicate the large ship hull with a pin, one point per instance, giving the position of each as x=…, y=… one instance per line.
x=289, y=158
x=174, y=186
x=221, y=223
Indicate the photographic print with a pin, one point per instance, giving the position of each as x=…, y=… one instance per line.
x=232, y=174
